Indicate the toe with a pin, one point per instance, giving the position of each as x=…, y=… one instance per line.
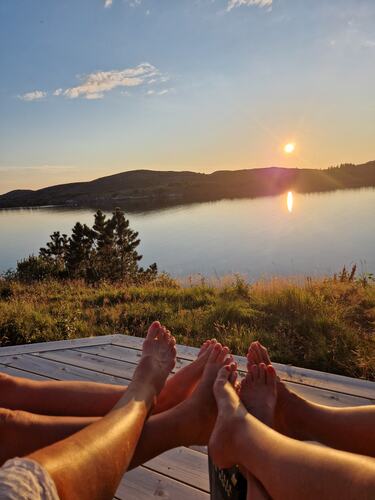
x=223, y=374
x=233, y=375
x=262, y=373
x=271, y=375
x=223, y=354
x=168, y=335
x=254, y=372
x=254, y=353
x=216, y=350
x=153, y=330
x=265, y=356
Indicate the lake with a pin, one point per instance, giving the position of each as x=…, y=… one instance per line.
x=293, y=234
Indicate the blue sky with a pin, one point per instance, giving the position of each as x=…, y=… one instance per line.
x=90, y=88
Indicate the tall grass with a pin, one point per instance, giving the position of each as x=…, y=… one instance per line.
x=325, y=324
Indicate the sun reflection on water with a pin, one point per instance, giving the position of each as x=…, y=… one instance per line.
x=289, y=201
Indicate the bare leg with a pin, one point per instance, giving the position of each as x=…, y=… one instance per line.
x=191, y=422
x=22, y=432
x=101, y=452
x=183, y=383
x=283, y=465
x=258, y=394
x=348, y=429
x=64, y=398
x=90, y=399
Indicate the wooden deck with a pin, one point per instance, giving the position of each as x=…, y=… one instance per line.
x=183, y=472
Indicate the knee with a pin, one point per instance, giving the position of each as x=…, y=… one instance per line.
x=7, y=418
x=10, y=419
x=7, y=382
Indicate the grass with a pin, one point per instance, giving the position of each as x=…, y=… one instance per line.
x=324, y=324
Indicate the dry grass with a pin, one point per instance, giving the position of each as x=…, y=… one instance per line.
x=321, y=324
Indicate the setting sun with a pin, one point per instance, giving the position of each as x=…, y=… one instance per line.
x=289, y=148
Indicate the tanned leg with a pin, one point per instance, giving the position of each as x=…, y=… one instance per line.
x=190, y=422
x=22, y=432
x=90, y=399
x=184, y=381
x=90, y=464
x=287, y=468
x=348, y=429
x=258, y=394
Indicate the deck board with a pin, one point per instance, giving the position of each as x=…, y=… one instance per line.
x=180, y=473
x=303, y=376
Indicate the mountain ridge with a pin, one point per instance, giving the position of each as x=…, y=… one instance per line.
x=150, y=186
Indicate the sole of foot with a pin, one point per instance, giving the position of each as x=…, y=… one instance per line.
x=289, y=408
x=258, y=392
x=257, y=354
x=201, y=405
x=231, y=414
x=158, y=356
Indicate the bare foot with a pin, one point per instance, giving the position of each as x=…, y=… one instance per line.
x=231, y=416
x=200, y=407
x=257, y=354
x=290, y=408
x=184, y=381
x=158, y=357
x=258, y=392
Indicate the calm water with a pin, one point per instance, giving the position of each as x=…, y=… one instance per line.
x=285, y=235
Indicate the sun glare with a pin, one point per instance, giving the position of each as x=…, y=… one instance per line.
x=289, y=201
x=289, y=148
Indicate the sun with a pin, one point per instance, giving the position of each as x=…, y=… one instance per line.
x=289, y=148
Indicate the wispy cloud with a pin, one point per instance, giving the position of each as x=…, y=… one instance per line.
x=95, y=85
x=132, y=3
x=35, y=95
x=160, y=92
x=248, y=3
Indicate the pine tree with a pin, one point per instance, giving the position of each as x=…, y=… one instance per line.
x=107, y=251
x=56, y=248
x=79, y=251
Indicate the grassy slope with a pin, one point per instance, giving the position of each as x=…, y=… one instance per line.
x=322, y=324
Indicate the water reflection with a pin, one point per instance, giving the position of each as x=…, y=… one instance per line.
x=289, y=201
x=254, y=237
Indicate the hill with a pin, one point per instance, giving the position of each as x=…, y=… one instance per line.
x=145, y=187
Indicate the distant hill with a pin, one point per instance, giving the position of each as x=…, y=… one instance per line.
x=144, y=187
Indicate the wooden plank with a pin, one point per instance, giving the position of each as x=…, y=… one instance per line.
x=92, y=362
x=186, y=352
x=315, y=394
x=15, y=372
x=58, y=371
x=72, y=365
x=327, y=397
x=331, y=381
x=143, y=484
x=184, y=465
x=55, y=345
x=314, y=378
x=113, y=352
x=123, y=354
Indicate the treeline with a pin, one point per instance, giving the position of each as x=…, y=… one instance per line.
x=105, y=251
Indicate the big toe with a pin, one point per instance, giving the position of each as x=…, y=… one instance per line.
x=271, y=376
x=222, y=377
x=153, y=331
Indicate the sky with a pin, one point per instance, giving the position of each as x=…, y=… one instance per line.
x=89, y=88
